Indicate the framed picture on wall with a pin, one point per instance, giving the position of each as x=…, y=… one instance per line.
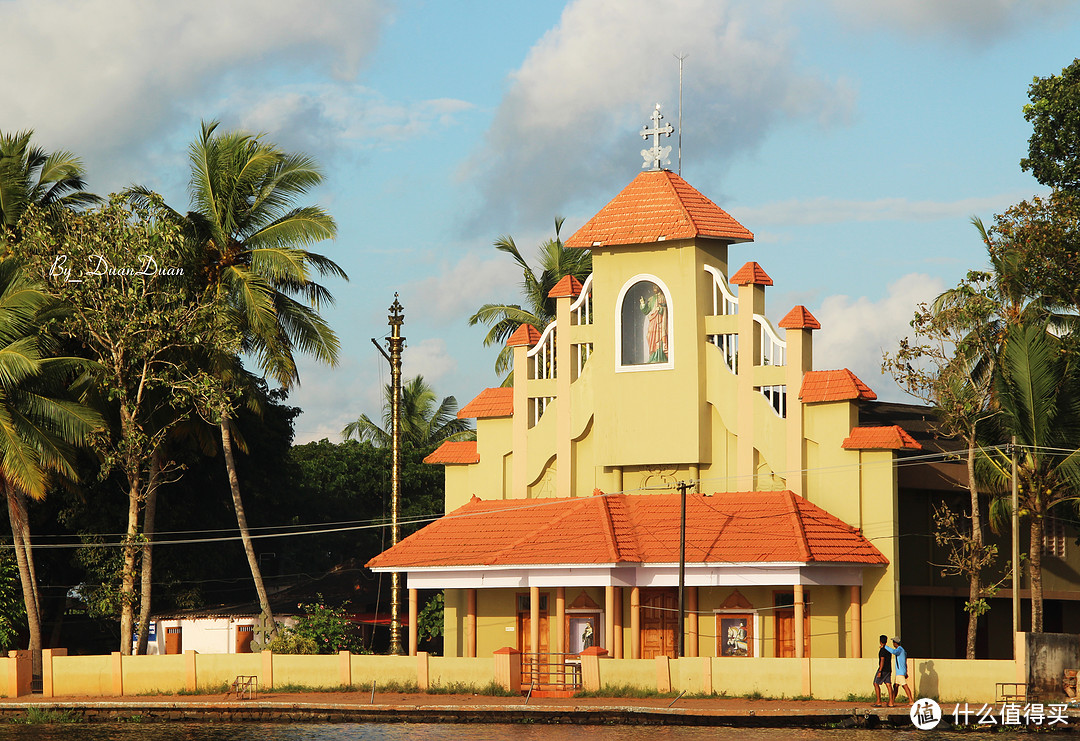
x=735, y=634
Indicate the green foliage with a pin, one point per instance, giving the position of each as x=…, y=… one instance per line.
x=556, y=262
x=328, y=628
x=41, y=716
x=1054, y=112
x=293, y=643
x=12, y=609
x=423, y=423
x=429, y=623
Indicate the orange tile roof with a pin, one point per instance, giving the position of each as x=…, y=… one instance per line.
x=751, y=273
x=526, y=334
x=893, y=437
x=567, y=286
x=755, y=527
x=497, y=402
x=799, y=318
x=451, y=453
x=658, y=206
x=833, y=385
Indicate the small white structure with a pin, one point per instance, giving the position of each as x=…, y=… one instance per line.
x=210, y=633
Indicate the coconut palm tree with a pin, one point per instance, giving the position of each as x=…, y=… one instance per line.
x=40, y=425
x=1038, y=401
x=556, y=262
x=251, y=243
x=30, y=176
x=424, y=423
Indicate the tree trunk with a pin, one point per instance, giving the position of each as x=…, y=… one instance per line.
x=241, y=521
x=149, y=513
x=974, y=578
x=127, y=580
x=33, y=616
x=1035, y=572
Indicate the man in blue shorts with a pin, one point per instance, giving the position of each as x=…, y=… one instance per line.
x=901, y=670
x=883, y=676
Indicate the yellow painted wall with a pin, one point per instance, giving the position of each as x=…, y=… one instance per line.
x=155, y=674
x=446, y=671
x=83, y=676
x=384, y=670
x=639, y=673
x=214, y=670
x=306, y=671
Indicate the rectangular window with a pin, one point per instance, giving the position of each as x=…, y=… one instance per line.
x=1053, y=537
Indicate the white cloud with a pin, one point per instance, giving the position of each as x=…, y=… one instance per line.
x=825, y=210
x=458, y=290
x=428, y=358
x=978, y=21
x=104, y=77
x=568, y=124
x=856, y=331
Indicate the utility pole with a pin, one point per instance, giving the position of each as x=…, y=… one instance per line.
x=680, y=651
x=397, y=344
x=1015, y=547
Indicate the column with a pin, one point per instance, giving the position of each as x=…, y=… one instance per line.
x=609, y=619
x=800, y=637
x=751, y=301
x=560, y=620
x=617, y=641
x=534, y=619
x=470, y=623
x=692, y=615
x=856, y=622
x=635, y=623
x=413, y=614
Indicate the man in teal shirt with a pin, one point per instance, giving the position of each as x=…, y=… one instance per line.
x=901, y=670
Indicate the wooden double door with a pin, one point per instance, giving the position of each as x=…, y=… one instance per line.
x=659, y=622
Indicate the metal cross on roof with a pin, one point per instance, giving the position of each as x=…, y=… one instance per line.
x=656, y=156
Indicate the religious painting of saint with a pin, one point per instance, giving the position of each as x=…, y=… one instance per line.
x=735, y=636
x=645, y=325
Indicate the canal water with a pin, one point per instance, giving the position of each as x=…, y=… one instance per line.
x=453, y=732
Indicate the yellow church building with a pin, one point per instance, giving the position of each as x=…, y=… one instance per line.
x=661, y=376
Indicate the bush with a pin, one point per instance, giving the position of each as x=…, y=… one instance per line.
x=290, y=643
x=328, y=629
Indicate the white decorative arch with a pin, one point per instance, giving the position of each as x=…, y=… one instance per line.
x=620, y=366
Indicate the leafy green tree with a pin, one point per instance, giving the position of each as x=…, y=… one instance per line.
x=12, y=607
x=40, y=423
x=556, y=262
x=1054, y=112
x=1038, y=397
x=950, y=364
x=424, y=424
x=31, y=177
x=250, y=242
x=121, y=273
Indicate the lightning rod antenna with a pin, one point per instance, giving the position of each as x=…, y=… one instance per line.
x=680, y=58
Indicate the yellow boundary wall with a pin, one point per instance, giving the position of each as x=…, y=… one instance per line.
x=948, y=680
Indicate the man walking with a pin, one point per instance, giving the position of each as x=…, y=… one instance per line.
x=901, y=669
x=883, y=676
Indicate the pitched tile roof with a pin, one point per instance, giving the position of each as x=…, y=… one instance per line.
x=893, y=437
x=751, y=273
x=756, y=527
x=567, y=286
x=833, y=385
x=497, y=402
x=526, y=334
x=658, y=206
x=799, y=318
x=451, y=453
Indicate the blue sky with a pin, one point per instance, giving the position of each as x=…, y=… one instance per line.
x=855, y=139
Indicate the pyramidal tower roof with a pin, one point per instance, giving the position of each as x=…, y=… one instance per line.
x=658, y=206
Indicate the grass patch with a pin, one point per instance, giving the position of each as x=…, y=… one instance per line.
x=42, y=716
x=852, y=697
x=491, y=689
